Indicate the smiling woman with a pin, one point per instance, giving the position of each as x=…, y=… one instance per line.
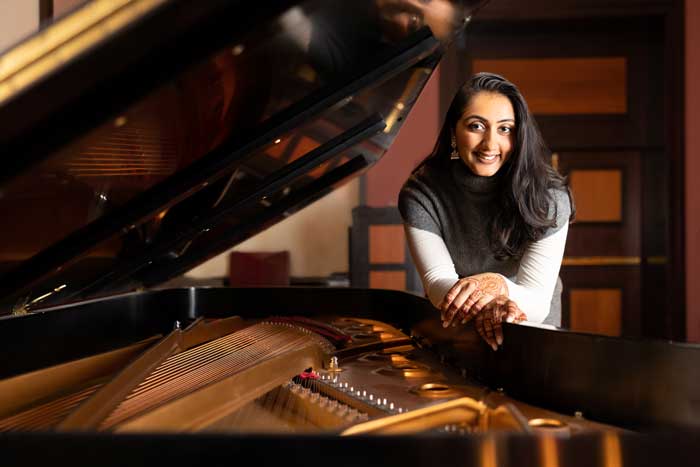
x=486, y=216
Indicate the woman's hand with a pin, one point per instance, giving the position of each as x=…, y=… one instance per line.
x=489, y=321
x=469, y=296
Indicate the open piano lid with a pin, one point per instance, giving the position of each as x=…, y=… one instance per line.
x=142, y=137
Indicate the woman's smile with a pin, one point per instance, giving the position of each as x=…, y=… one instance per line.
x=486, y=158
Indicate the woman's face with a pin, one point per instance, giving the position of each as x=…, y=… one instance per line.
x=486, y=133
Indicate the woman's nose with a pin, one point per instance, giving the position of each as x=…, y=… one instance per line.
x=490, y=140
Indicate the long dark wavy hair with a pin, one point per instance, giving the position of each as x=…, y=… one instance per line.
x=528, y=176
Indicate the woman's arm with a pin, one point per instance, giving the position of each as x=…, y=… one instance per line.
x=433, y=261
x=537, y=275
x=535, y=280
x=457, y=299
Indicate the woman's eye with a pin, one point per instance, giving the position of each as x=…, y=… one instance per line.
x=475, y=126
x=506, y=130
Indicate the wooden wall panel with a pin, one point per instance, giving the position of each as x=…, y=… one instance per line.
x=386, y=244
x=598, y=311
x=566, y=86
x=598, y=195
x=394, y=280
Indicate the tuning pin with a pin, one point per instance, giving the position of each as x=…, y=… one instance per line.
x=371, y=397
x=391, y=406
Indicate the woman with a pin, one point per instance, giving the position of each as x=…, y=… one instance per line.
x=486, y=216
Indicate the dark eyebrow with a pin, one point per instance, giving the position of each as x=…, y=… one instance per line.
x=485, y=120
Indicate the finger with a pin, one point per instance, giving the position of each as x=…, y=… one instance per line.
x=498, y=331
x=479, y=325
x=467, y=310
x=451, y=295
x=482, y=302
x=488, y=330
x=457, y=303
x=514, y=313
x=520, y=314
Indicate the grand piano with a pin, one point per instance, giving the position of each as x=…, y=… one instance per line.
x=142, y=137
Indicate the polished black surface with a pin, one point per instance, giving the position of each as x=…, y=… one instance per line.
x=143, y=155
x=678, y=449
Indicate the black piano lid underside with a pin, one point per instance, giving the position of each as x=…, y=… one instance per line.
x=102, y=80
x=107, y=450
x=107, y=86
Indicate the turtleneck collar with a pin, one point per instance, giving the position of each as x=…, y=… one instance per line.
x=474, y=183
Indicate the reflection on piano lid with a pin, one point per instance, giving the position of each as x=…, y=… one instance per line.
x=171, y=130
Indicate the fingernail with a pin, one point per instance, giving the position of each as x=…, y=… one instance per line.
x=445, y=324
x=499, y=340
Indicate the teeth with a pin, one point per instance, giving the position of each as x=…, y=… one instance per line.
x=487, y=158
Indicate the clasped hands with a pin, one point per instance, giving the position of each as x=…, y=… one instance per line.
x=484, y=298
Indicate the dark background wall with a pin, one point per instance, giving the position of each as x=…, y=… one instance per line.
x=692, y=167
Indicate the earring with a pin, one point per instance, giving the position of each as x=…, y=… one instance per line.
x=454, y=154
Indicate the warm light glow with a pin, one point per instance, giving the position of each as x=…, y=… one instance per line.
x=612, y=453
x=120, y=121
x=488, y=453
x=59, y=43
x=278, y=141
x=549, y=451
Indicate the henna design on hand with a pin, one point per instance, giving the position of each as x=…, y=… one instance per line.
x=469, y=296
x=491, y=283
x=489, y=322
